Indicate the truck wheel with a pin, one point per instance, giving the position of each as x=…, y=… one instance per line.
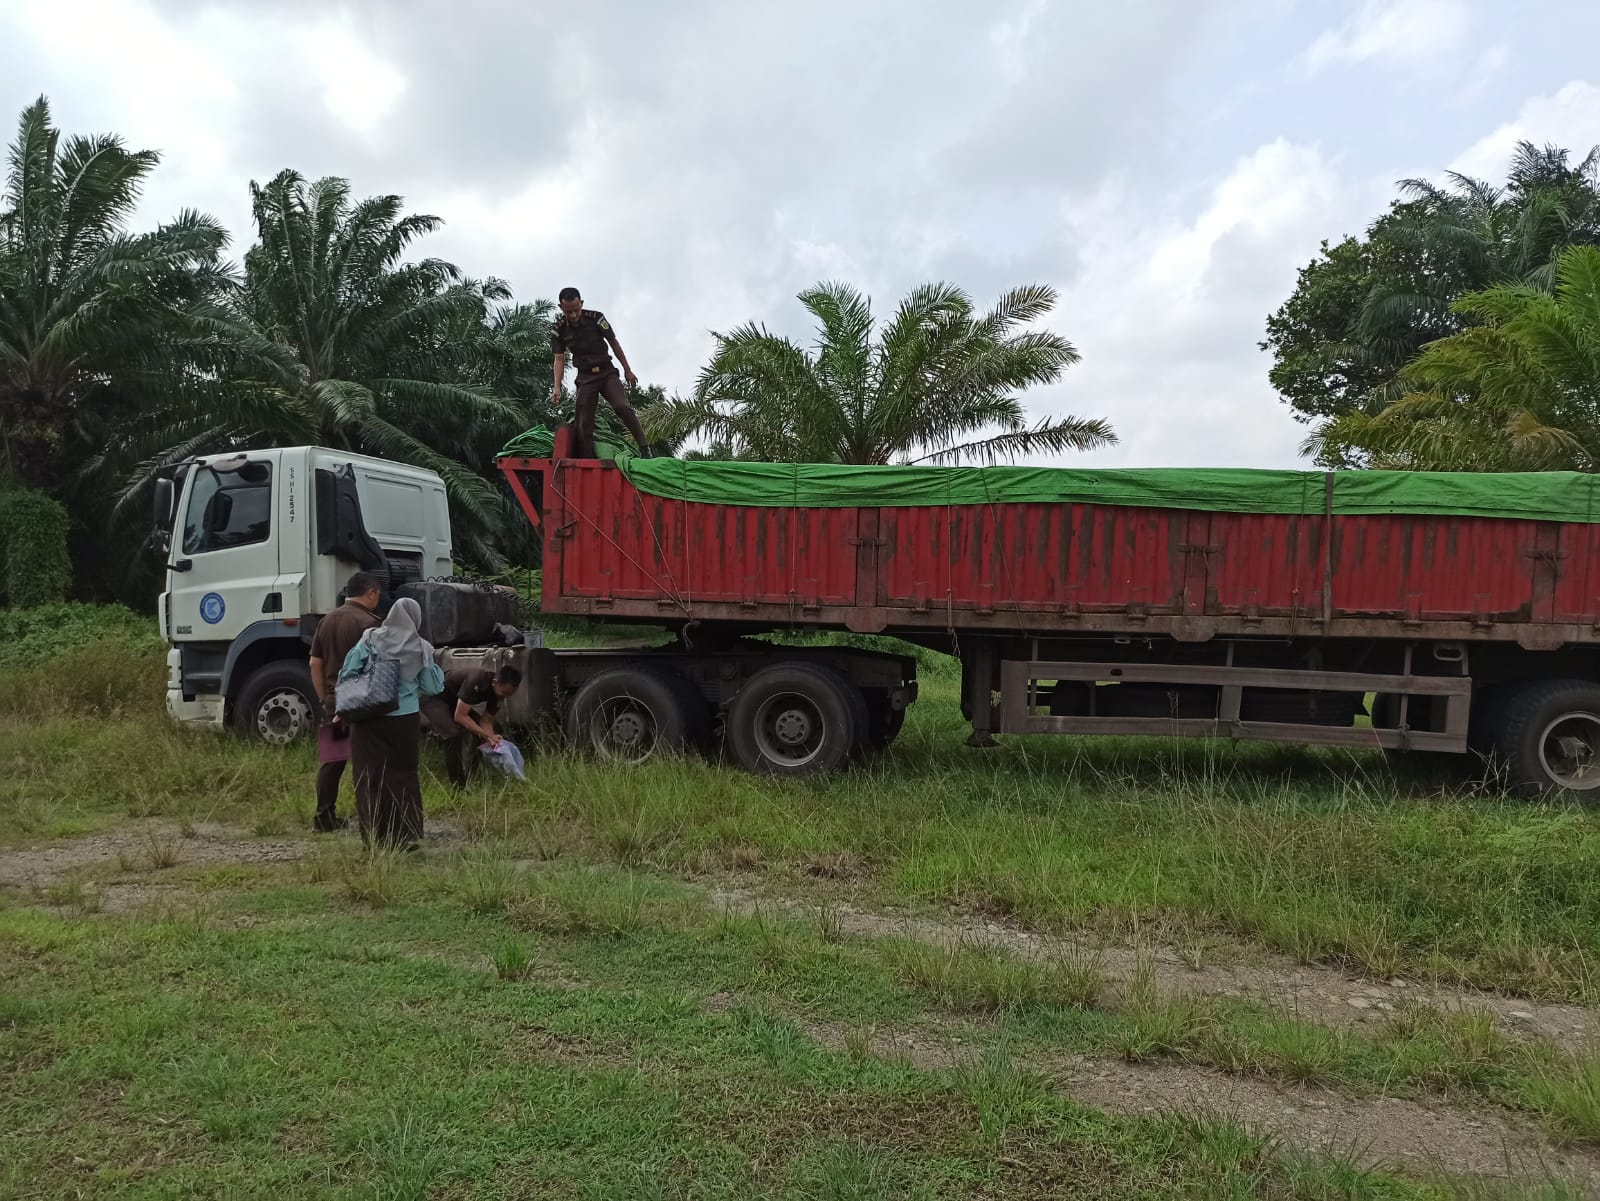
x=277, y=705
x=1549, y=737
x=795, y=719
x=884, y=723
x=631, y=714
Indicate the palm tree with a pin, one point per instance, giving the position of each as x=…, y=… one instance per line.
x=93, y=319
x=931, y=385
x=1518, y=390
x=1466, y=236
x=338, y=339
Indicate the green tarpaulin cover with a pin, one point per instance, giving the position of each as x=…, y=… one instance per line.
x=1531, y=496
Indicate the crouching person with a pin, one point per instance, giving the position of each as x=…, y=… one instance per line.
x=463, y=715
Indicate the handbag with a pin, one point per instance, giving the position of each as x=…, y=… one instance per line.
x=372, y=692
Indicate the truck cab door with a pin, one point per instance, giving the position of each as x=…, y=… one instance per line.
x=224, y=557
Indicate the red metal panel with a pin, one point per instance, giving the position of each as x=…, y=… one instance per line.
x=607, y=543
x=1088, y=558
x=1433, y=568
x=618, y=544
x=1577, y=587
x=1264, y=565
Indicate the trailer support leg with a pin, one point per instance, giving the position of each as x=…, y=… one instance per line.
x=977, y=690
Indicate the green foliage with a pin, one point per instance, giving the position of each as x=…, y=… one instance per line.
x=94, y=321
x=1518, y=391
x=1365, y=307
x=80, y=659
x=36, y=635
x=34, y=566
x=337, y=338
x=926, y=388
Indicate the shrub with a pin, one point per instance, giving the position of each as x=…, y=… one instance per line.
x=35, y=568
x=44, y=632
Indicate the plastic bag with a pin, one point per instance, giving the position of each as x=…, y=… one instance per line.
x=506, y=757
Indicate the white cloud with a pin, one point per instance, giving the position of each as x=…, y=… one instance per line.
x=1167, y=313
x=358, y=87
x=1138, y=156
x=1570, y=117
x=1405, y=31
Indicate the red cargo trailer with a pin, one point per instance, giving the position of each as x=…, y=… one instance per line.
x=1238, y=604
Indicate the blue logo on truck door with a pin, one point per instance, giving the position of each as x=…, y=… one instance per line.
x=212, y=608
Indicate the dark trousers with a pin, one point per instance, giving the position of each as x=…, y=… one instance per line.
x=388, y=787
x=460, y=746
x=328, y=777
x=590, y=389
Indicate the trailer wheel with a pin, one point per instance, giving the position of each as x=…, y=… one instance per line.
x=632, y=714
x=796, y=719
x=884, y=723
x=278, y=705
x=1549, y=737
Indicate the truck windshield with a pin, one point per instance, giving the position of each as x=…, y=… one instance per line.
x=228, y=509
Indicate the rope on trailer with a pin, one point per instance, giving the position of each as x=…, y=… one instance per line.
x=650, y=575
x=655, y=536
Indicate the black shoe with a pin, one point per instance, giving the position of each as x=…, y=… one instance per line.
x=329, y=826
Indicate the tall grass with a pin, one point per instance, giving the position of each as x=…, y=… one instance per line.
x=1327, y=856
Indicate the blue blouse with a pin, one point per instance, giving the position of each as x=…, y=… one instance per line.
x=429, y=682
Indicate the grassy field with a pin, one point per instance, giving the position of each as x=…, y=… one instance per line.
x=560, y=999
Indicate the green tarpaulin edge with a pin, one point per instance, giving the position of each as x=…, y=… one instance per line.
x=1527, y=496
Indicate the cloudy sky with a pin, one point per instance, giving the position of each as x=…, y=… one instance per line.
x=1167, y=164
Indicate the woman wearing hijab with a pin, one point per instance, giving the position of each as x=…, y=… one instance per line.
x=384, y=749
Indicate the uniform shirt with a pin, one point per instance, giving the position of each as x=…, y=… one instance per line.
x=584, y=342
x=335, y=635
x=475, y=685
x=428, y=682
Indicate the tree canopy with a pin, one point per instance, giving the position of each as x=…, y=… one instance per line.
x=94, y=320
x=124, y=350
x=938, y=382
x=1518, y=389
x=1365, y=307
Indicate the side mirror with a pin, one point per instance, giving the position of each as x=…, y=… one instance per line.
x=162, y=502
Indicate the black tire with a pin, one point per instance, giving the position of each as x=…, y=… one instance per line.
x=634, y=714
x=884, y=723
x=278, y=705
x=1488, y=715
x=797, y=719
x=1548, y=738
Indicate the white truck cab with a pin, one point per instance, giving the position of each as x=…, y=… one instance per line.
x=258, y=547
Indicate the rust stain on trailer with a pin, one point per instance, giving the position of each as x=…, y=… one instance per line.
x=1061, y=566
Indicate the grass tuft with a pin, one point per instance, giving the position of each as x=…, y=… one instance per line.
x=512, y=960
x=1567, y=1093
x=1155, y=1025
x=978, y=977
x=1001, y=1094
x=486, y=880
x=375, y=876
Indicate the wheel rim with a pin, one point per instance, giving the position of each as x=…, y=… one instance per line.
x=624, y=730
x=1569, y=751
x=790, y=729
x=283, y=716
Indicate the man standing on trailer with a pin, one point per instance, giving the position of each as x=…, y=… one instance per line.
x=585, y=334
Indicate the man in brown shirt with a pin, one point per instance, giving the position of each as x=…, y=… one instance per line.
x=332, y=640
x=463, y=714
x=585, y=334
